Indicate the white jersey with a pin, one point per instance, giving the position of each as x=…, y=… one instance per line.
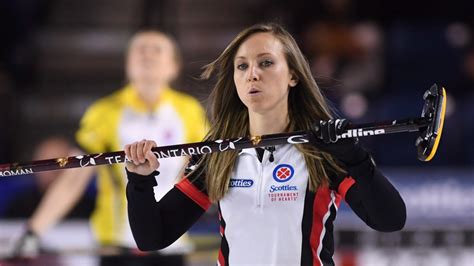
x=271, y=197
x=268, y=215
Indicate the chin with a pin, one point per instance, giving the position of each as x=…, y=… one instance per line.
x=258, y=109
x=152, y=79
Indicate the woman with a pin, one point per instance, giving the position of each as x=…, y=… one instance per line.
x=277, y=205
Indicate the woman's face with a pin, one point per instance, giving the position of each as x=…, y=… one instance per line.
x=151, y=58
x=261, y=74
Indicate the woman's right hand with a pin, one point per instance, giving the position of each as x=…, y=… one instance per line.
x=141, y=159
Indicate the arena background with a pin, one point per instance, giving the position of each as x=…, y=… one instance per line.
x=373, y=59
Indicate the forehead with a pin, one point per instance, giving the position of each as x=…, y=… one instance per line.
x=150, y=39
x=260, y=43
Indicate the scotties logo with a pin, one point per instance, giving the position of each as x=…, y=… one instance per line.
x=241, y=183
x=283, y=173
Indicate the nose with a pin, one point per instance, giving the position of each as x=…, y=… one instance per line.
x=148, y=51
x=253, y=74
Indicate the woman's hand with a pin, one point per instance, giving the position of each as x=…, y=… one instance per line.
x=347, y=150
x=141, y=159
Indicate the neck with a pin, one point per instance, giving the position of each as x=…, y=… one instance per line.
x=148, y=92
x=264, y=124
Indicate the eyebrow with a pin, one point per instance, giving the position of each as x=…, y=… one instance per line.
x=259, y=55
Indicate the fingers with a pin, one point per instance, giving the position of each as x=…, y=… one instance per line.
x=341, y=125
x=330, y=131
x=141, y=159
x=332, y=136
x=147, y=153
x=149, y=156
x=148, y=145
x=140, y=151
x=128, y=153
x=152, y=160
x=325, y=131
x=133, y=153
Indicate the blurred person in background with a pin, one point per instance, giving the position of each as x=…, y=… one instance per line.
x=145, y=108
x=26, y=201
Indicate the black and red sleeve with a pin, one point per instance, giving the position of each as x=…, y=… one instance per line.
x=156, y=225
x=372, y=197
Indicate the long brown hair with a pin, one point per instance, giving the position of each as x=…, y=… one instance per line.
x=229, y=116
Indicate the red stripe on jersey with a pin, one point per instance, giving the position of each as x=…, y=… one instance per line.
x=193, y=193
x=220, y=258
x=345, y=185
x=320, y=213
x=221, y=230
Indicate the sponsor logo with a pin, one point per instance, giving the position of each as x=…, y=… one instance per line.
x=16, y=172
x=361, y=133
x=274, y=188
x=277, y=193
x=283, y=193
x=283, y=173
x=283, y=196
x=241, y=183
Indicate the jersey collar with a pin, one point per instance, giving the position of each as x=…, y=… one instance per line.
x=278, y=150
x=250, y=151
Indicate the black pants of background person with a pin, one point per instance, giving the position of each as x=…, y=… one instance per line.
x=142, y=260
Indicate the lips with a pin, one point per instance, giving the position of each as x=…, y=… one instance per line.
x=254, y=91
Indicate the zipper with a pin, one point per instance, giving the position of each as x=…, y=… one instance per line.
x=267, y=158
x=265, y=161
x=260, y=183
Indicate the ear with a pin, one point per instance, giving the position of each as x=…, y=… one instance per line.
x=294, y=79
